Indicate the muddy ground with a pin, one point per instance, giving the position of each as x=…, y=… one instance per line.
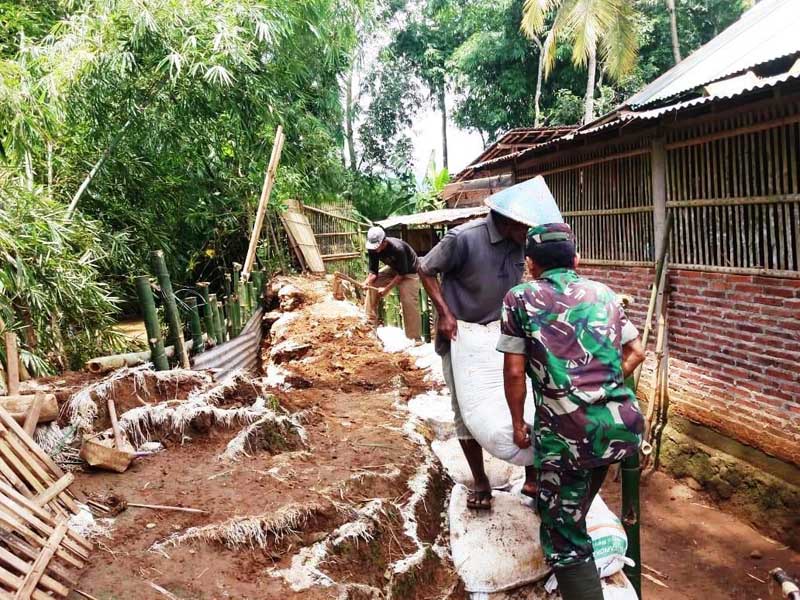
x=332, y=494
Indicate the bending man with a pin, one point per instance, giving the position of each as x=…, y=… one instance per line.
x=577, y=345
x=401, y=271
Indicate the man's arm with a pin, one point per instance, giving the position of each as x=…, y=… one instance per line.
x=447, y=324
x=372, y=269
x=632, y=356
x=388, y=287
x=514, y=383
x=443, y=258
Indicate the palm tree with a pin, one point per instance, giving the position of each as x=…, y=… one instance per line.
x=673, y=27
x=607, y=27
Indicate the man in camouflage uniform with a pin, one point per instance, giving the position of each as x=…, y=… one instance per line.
x=574, y=341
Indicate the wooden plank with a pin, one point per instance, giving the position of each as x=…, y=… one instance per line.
x=12, y=363
x=296, y=222
x=40, y=564
x=41, y=513
x=35, y=539
x=608, y=211
x=36, y=452
x=23, y=567
x=25, y=550
x=35, y=410
x=54, y=490
x=768, y=199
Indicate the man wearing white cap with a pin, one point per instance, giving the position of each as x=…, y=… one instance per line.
x=401, y=271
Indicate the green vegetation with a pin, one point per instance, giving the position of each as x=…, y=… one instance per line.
x=128, y=126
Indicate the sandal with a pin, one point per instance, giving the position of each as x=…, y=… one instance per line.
x=479, y=500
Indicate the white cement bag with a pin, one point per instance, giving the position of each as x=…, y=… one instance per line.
x=498, y=549
x=500, y=473
x=478, y=378
x=609, y=540
x=435, y=410
x=616, y=587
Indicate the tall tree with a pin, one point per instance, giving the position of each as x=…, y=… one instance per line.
x=607, y=27
x=673, y=28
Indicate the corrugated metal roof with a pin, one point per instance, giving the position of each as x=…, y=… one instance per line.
x=521, y=138
x=768, y=31
x=444, y=216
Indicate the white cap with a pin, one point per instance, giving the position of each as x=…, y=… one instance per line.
x=375, y=237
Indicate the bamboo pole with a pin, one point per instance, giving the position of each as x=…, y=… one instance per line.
x=269, y=180
x=236, y=315
x=170, y=307
x=194, y=325
x=251, y=296
x=153, y=327
x=12, y=363
x=220, y=335
x=208, y=313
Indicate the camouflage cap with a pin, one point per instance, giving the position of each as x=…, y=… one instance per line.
x=550, y=232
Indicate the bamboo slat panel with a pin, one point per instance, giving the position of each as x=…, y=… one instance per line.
x=298, y=227
x=339, y=237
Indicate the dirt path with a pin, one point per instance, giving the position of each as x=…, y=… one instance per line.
x=345, y=499
x=697, y=550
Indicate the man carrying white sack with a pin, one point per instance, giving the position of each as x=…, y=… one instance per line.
x=478, y=263
x=572, y=337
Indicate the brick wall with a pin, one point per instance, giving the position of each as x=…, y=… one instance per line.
x=734, y=351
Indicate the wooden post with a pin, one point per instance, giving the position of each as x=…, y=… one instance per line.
x=12, y=362
x=194, y=325
x=170, y=307
x=658, y=169
x=153, y=327
x=269, y=180
x=208, y=313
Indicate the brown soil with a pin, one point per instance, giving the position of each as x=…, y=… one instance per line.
x=347, y=388
x=356, y=452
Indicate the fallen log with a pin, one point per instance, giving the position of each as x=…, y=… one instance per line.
x=104, y=364
x=19, y=406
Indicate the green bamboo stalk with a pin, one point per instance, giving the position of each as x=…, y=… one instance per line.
x=258, y=282
x=251, y=296
x=151, y=324
x=170, y=307
x=194, y=325
x=237, y=268
x=236, y=313
x=228, y=287
x=208, y=313
x=217, y=318
x=631, y=478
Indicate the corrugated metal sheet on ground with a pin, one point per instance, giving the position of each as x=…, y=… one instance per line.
x=767, y=31
x=444, y=216
x=242, y=352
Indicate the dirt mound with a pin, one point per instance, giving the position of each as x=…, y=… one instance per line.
x=315, y=483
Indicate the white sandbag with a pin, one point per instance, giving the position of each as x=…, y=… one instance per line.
x=498, y=549
x=478, y=378
x=609, y=540
x=435, y=410
x=500, y=473
x=616, y=587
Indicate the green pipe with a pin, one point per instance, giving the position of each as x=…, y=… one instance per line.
x=208, y=313
x=170, y=307
x=631, y=476
x=151, y=324
x=194, y=325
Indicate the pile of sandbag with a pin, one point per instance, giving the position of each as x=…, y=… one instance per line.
x=499, y=550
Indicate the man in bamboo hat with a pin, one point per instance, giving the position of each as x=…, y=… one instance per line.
x=572, y=337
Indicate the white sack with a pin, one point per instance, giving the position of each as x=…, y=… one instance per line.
x=435, y=410
x=616, y=587
x=500, y=473
x=609, y=540
x=498, y=549
x=478, y=378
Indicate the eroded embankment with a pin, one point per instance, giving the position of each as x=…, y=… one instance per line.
x=316, y=480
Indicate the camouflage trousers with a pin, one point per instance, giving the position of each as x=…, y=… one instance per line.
x=564, y=499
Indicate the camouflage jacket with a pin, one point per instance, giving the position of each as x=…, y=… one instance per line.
x=572, y=330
